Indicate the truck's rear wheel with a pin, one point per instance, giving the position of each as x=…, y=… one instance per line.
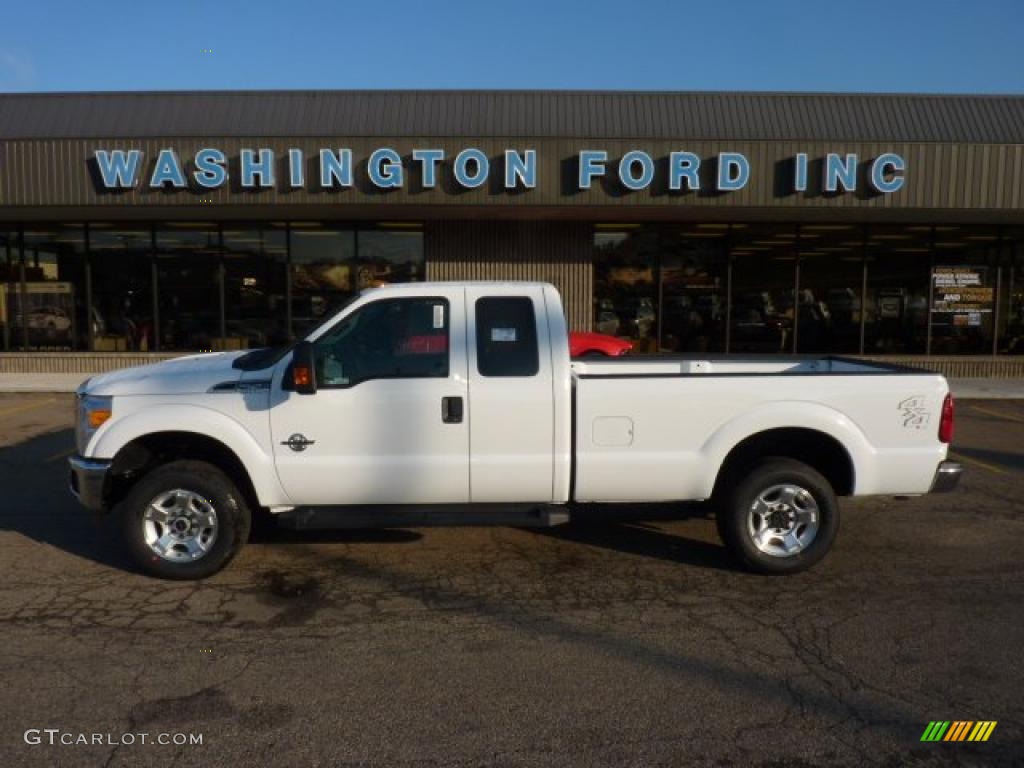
x=780, y=517
x=184, y=520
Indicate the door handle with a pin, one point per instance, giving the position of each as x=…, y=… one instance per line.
x=451, y=410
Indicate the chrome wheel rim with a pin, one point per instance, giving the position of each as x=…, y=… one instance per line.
x=180, y=525
x=783, y=520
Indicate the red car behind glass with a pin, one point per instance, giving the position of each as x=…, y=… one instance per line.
x=581, y=344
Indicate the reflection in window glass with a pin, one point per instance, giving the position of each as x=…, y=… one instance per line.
x=1012, y=320
x=122, y=297
x=321, y=262
x=254, y=286
x=763, y=282
x=693, y=288
x=10, y=278
x=625, y=285
x=49, y=310
x=188, y=280
x=831, y=281
x=389, y=256
x=899, y=265
x=331, y=264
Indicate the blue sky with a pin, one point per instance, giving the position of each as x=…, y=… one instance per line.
x=859, y=45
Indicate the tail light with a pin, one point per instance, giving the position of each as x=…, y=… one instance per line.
x=946, y=422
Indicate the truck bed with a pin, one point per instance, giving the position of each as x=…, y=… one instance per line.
x=733, y=365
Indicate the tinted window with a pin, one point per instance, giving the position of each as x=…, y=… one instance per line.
x=506, y=337
x=389, y=339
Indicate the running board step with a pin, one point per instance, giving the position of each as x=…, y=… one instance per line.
x=431, y=515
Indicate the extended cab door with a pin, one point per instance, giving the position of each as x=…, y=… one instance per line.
x=510, y=393
x=388, y=423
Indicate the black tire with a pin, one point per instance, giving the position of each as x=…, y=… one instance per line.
x=740, y=494
x=207, y=481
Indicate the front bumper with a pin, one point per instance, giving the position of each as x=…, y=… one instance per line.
x=947, y=476
x=87, y=479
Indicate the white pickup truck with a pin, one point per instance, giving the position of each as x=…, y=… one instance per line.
x=457, y=403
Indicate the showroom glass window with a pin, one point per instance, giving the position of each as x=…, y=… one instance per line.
x=120, y=260
x=189, y=287
x=896, y=305
x=693, y=292
x=330, y=264
x=1011, y=339
x=762, y=311
x=830, y=285
x=966, y=268
x=10, y=278
x=255, y=285
x=322, y=259
x=51, y=306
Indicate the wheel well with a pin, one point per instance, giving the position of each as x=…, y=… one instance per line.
x=145, y=453
x=815, y=449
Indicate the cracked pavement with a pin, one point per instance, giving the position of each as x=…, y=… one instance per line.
x=612, y=641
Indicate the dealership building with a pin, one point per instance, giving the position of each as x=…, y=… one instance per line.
x=145, y=224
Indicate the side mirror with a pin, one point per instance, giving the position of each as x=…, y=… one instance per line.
x=303, y=369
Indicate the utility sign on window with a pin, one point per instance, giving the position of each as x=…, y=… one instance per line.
x=503, y=334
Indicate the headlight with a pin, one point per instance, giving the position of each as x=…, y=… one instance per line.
x=93, y=412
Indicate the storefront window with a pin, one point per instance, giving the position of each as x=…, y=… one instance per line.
x=626, y=285
x=763, y=283
x=50, y=305
x=189, y=287
x=899, y=265
x=255, y=263
x=1012, y=310
x=329, y=264
x=392, y=253
x=120, y=261
x=831, y=282
x=963, y=291
x=693, y=288
x=9, y=281
x=322, y=260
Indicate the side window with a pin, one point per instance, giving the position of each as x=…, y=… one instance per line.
x=506, y=337
x=388, y=339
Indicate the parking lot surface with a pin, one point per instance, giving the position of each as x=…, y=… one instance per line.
x=605, y=642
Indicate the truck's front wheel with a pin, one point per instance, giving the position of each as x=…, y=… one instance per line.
x=184, y=520
x=780, y=517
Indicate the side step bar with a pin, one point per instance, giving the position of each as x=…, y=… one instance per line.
x=423, y=516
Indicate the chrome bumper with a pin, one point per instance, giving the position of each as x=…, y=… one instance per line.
x=87, y=478
x=947, y=476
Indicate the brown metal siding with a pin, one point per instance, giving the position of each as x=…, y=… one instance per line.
x=577, y=114
x=556, y=252
x=983, y=177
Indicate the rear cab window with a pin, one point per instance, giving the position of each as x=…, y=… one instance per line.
x=506, y=337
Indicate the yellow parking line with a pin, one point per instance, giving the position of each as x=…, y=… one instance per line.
x=990, y=412
x=976, y=462
x=26, y=407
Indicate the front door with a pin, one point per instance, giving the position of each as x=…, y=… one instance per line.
x=388, y=423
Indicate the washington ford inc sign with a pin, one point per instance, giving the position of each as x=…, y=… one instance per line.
x=385, y=169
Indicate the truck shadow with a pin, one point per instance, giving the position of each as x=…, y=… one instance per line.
x=38, y=505
x=634, y=531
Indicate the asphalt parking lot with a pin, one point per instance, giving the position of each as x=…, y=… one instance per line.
x=609, y=642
